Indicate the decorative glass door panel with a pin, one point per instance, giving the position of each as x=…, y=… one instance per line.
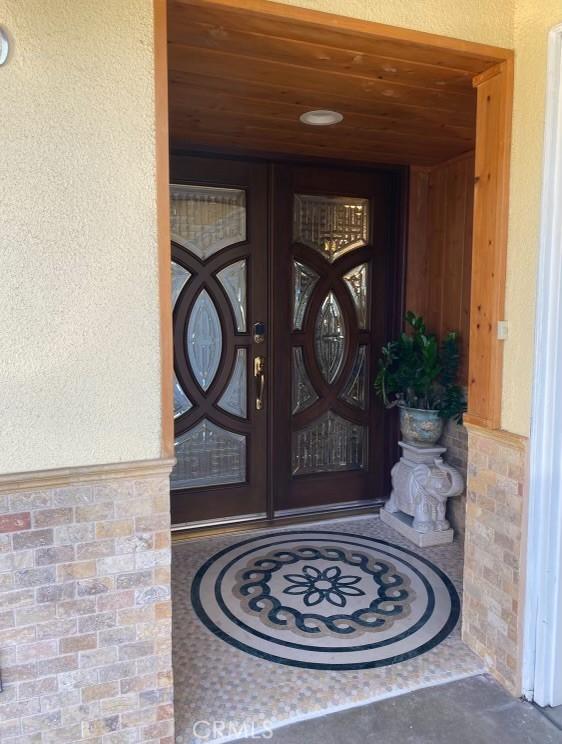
x=219, y=251
x=331, y=225
x=335, y=438
x=207, y=219
x=332, y=228
x=279, y=308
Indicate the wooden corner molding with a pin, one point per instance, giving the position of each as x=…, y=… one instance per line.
x=61, y=477
x=488, y=74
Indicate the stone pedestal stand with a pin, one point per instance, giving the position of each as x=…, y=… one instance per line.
x=421, y=485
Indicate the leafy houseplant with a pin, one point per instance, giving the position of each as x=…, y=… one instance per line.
x=419, y=375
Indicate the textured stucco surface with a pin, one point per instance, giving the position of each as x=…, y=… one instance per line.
x=533, y=20
x=79, y=347
x=486, y=21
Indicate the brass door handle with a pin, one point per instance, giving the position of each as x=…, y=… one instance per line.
x=259, y=377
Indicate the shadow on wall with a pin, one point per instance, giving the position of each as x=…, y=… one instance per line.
x=455, y=438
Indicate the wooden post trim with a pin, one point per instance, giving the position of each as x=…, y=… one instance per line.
x=489, y=251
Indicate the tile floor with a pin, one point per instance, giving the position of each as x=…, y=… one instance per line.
x=215, y=682
x=469, y=711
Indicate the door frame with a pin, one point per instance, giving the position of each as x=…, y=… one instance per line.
x=542, y=648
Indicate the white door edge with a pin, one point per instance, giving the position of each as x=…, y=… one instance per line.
x=542, y=644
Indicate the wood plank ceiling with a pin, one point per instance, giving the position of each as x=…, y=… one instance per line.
x=238, y=81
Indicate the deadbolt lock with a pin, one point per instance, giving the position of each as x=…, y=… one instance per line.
x=259, y=332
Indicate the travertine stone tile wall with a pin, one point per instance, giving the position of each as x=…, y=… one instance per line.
x=455, y=438
x=85, y=613
x=494, y=552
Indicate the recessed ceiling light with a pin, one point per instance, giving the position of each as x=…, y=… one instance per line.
x=321, y=118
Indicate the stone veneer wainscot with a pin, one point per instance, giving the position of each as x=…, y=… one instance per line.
x=85, y=611
x=494, y=551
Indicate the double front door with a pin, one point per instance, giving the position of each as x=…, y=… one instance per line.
x=285, y=283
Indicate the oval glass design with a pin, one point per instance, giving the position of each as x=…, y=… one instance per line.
x=204, y=340
x=329, y=338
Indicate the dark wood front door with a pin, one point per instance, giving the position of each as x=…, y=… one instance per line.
x=219, y=293
x=335, y=303
x=284, y=288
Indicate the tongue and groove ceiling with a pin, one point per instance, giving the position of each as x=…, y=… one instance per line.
x=240, y=78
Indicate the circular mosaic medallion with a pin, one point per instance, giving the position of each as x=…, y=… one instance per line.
x=325, y=600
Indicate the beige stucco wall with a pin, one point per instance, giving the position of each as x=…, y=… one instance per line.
x=533, y=20
x=522, y=25
x=79, y=360
x=486, y=21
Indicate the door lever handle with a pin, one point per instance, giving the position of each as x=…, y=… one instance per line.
x=259, y=377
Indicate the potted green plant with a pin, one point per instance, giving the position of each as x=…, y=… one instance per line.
x=420, y=376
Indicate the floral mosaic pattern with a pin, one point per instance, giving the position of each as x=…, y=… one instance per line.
x=319, y=586
x=387, y=592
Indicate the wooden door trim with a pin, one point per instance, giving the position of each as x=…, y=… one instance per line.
x=163, y=228
x=489, y=260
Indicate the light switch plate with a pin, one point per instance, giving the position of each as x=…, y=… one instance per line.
x=502, y=330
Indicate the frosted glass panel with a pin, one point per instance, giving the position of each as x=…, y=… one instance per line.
x=332, y=225
x=180, y=277
x=205, y=219
x=208, y=455
x=329, y=337
x=233, y=279
x=329, y=444
x=234, y=397
x=356, y=282
x=204, y=340
x=304, y=394
x=182, y=404
x=355, y=390
x=304, y=281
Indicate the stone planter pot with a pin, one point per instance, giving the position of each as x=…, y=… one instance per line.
x=420, y=427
